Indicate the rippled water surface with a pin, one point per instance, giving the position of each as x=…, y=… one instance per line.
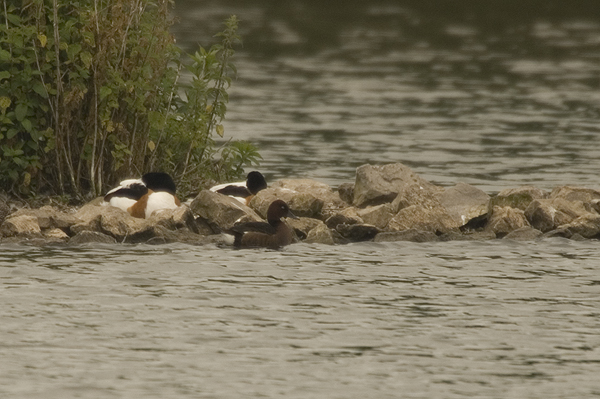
x=491, y=319
x=496, y=94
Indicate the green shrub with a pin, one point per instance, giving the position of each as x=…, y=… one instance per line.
x=90, y=93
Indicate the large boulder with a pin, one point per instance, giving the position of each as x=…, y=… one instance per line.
x=587, y=226
x=220, y=211
x=548, y=214
x=423, y=218
x=377, y=215
x=301, y=203
x=321, y=234
x=518, y=198
x=357, y=232
x=49, y=217
x=524, y=234
x=20, y=225
x=331, y=200
x=124, y=227
x=570, y=193
x=506, y=219
x=377, y=185
x=464, y=202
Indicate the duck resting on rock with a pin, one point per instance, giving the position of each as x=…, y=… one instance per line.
x=141, y=197
x=245, y=190
x=274, y=234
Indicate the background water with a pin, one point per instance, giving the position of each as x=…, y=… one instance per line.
x=496, y=95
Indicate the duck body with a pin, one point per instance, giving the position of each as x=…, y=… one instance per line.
x=141, y=197
x=245, y=190
x=274, y=234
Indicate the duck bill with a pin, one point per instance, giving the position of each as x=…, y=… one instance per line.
x=291, y=215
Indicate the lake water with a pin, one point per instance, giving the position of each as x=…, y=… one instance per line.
x=492, y=95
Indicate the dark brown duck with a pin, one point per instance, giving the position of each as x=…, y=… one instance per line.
x=274, y=234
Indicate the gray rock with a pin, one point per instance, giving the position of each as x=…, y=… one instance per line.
x=587, y=226
x=20, y=225
x=377, y=185
x=548, y=214
x=86, y=237
x=464, y=202
x=575, y=193
x=418, y=217
x=305, y=225
x=57, y=234
x=303, y=204
x=505, y=220
x=378, y=215
x=49, y=217
x=220, y=211
x=357, y=232
x=345, y=216
x=320, y=235
x=524, y=234
x=413, y=235
x=346, y=192
x=123, y=227
x=414, y=194
x=518, y=198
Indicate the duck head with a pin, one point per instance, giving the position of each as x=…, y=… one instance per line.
x=255, y=182
x=277, y=210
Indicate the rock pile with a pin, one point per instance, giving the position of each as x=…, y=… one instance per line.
x=386, y=203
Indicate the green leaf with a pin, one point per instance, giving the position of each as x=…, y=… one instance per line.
x=4, y=75
x=27, y=124
x=39, y=88
x=105, y=91
x=4, y=55
x=21, y=112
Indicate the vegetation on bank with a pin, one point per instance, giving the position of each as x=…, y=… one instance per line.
x=91, y=93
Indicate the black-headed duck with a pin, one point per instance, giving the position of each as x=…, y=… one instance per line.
x=141, y=197
x=274, y=234
x=243, y=191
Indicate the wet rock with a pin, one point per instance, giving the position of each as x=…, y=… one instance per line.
x=413, y=235
x=518, y=198
x=56, y=233
x=345, y=216
x=220, y=211
x=378, y=215
x=357, y=232
x=548, y=214
x=304, y=225
x=331, y=200
x=467, y=236
x=570, y=193
x=86, y=237
x=524, y=234
x=346, y=192
x=505, y=220
x=202, y=227
x=587, y=226
x=321, y=234
x=21, y=225
x=464, y=202
x=418, y=217
x=123, y=227
x=303, y=204
x=377, y=185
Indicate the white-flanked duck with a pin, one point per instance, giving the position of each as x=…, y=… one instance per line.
x=245, y=190
x=141, y=197
x=274, y=234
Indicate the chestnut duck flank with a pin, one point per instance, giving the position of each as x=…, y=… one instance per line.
x=141, y=197
x=274, y=234
x=243, y=191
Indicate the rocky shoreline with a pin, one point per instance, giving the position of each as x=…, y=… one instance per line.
x=385, y=203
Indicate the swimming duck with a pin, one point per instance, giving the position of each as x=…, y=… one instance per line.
x=273, y=234
x=141, y=197
x=245, y=190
